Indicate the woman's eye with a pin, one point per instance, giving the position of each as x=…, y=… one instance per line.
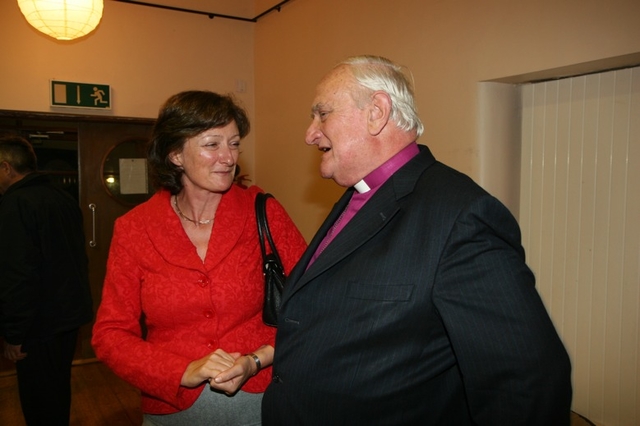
x=234, y=145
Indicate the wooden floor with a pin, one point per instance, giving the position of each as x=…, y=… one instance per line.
x=99, y=398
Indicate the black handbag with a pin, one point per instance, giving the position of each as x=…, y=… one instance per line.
x=272, y=268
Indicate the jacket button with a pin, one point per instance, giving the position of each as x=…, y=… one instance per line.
x=203, y=281
x=276, y=379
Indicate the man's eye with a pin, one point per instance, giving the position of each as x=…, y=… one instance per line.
x=320, y=114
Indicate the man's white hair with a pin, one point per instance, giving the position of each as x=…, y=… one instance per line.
x=377, y=73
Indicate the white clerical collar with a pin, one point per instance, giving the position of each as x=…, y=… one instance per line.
x=362, y=187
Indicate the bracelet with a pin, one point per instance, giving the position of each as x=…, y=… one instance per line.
x=257, y=360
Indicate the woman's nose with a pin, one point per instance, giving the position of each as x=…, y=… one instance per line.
x=225, y=156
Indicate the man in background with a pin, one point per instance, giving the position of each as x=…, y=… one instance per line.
x=44, y=284
x=413, y=304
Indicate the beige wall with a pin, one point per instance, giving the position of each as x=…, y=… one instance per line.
x=145, y=54
x=450, y=46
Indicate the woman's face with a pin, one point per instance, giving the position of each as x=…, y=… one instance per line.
x=209, y=159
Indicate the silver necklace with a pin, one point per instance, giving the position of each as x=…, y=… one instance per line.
x=183, y=216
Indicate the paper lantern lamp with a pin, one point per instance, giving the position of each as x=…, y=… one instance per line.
x=62, y=19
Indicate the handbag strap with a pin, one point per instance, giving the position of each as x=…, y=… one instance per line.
x=263, y=226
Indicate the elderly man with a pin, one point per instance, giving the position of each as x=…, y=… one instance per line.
x=413, y=304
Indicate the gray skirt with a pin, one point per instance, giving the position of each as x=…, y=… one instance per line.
x=214, y=408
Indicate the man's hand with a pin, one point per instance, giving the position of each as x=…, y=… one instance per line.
x=13, y=352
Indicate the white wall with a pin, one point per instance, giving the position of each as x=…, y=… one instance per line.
x=580, y=206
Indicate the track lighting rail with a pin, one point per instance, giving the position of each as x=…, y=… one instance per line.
x=211, y=15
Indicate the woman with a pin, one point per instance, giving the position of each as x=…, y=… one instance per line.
x=187, y=265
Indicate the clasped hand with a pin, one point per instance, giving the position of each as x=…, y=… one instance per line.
x=13, y=352
x=224, y=371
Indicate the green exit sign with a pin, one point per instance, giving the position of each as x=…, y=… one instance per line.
x=80, y=95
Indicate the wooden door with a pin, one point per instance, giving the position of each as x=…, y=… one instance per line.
x=95, y=141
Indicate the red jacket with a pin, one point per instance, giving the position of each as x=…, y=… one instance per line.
x=189, y=308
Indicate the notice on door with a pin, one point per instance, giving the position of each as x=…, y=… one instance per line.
x=133, y=176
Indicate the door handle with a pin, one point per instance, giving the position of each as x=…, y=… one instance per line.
x=93, y=243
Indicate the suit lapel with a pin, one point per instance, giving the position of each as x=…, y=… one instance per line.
x=377, y=213
x=334, y=214
x=369, y=220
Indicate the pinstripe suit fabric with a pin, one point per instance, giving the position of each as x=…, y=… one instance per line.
x=421, y=311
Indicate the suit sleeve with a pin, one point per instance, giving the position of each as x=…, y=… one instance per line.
x=514, y=366
x=20, y=294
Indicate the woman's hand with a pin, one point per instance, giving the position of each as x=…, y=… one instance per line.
x=208, y=367
x=224, y=371
x=243, y=368
x=231, y=380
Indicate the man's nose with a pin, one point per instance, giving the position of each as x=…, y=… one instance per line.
x=313, y=134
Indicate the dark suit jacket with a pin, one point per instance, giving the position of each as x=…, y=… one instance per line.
x=420, y=312
x=44, y=275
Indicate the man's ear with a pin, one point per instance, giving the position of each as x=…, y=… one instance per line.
x=5, y=166
x=379, y=112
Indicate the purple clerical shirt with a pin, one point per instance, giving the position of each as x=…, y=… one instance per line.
x=365, y=190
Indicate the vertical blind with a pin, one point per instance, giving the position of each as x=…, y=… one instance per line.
x=580, y=218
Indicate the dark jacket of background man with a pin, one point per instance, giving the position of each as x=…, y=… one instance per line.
x=44, y=284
